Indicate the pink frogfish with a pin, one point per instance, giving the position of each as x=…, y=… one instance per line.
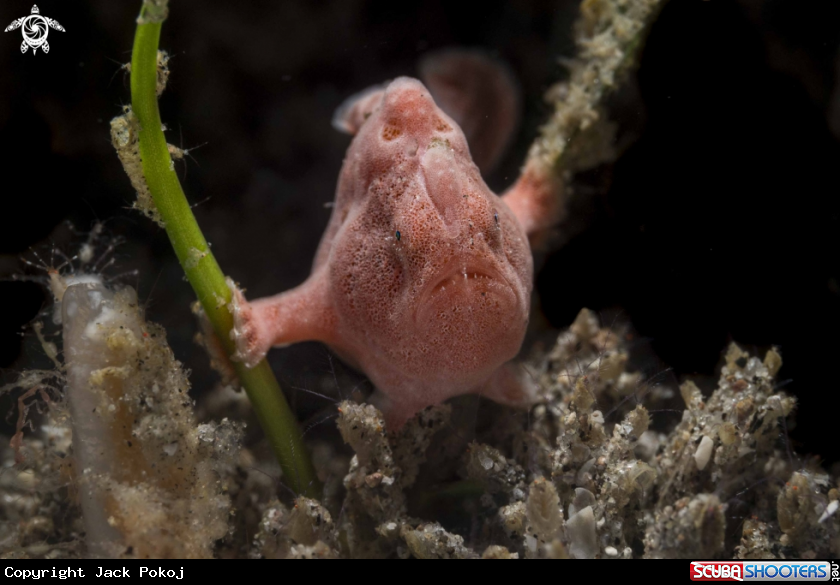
x=423, y=276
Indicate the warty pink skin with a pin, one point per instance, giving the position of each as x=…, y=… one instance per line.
x=423, y=277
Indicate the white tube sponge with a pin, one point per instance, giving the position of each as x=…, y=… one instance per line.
x=82, y=306
x=147, y=474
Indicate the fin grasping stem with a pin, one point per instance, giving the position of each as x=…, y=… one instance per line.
x=205, y=275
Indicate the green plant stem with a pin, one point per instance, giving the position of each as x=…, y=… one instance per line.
x=201, y=268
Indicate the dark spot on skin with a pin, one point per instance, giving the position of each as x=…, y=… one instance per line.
x=399, y=236
x=496, y=217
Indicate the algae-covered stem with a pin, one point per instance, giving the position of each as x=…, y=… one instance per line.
x=609, y=36
x=205, y=275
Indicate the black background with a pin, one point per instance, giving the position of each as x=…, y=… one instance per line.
x=718, y=222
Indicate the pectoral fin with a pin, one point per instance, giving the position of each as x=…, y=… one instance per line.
x=538, y=200
x=301, y=314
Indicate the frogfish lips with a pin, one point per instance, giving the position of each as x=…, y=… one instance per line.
x=471, y=315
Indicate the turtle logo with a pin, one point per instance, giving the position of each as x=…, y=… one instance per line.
x=35, y=28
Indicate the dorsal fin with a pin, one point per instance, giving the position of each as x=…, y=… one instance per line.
x=480, y=94
x=353, y=111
